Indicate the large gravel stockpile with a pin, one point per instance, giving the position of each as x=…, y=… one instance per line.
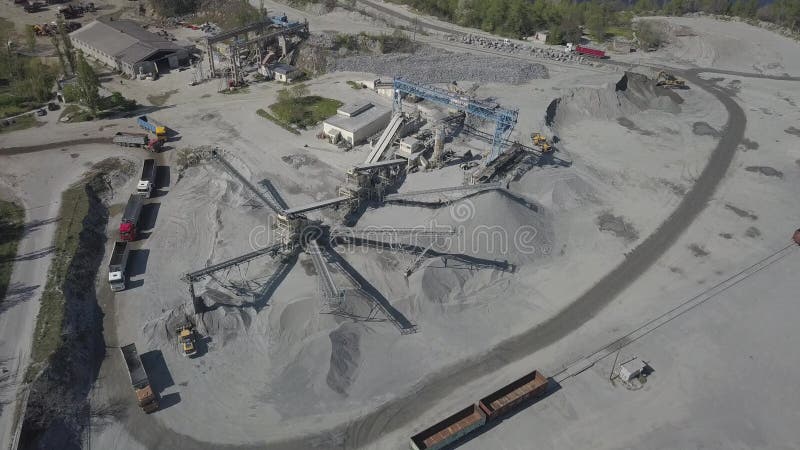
x=632, y=94
x=431, y=65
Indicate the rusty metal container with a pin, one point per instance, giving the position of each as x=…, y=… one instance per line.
x=449, y=430
x=508, y=397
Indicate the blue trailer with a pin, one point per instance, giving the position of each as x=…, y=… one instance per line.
x=152, y=126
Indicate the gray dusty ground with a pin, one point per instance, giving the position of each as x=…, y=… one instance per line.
x=664, y=190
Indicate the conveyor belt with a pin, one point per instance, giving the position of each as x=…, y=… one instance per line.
x=471, y=187
x=198, y=274
x=318, y=205
x=270, y=202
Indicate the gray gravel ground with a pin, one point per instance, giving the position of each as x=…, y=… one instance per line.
x=432, y=65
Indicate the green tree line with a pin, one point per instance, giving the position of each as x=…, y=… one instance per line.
x=518, y=18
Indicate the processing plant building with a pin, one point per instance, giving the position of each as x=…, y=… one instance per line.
x=126, y=46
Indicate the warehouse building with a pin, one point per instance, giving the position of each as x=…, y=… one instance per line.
x=126, y=46
x=355, y=123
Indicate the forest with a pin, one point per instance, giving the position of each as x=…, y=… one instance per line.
x=519, y=18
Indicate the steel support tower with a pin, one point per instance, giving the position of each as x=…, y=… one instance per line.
x=504, y=119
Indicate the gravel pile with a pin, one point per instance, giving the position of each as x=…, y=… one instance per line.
x=431, y=65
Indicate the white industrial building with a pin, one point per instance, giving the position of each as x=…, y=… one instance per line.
x=126, y=46
x=356, y=122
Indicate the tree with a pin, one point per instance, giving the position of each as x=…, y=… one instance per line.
x=57, y=45
x=68, y=50
x=88, y=85
x=597, y=20
x=299, y=91
x=30, y=38
x=649, y=37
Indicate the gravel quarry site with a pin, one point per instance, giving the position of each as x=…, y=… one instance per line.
x=365, y=227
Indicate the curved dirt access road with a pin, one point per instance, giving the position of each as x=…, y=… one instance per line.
x=585, y=307
x=402, y=411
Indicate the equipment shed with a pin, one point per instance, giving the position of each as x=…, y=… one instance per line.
x=356, y=128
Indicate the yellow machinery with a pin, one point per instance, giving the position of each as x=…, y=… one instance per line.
x=540, y=141
x=668, y=80
x=186, y=340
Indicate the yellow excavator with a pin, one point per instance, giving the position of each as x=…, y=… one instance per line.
x=668, y=80
x=540, y=141
x=186, y=340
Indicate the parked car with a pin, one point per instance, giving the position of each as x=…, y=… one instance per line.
x=41, y=112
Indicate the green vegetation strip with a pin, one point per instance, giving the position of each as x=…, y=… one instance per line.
x=12, y=218
x=269, y=116
x=295, y=107
x=20, y=123
x=47, y=337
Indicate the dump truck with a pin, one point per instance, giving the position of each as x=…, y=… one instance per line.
x=449, y=430
x=586, y=51
x=145, y=397
x=140, y=140
x=147, y=181
x=117, y=265
x=186, y=340
x=130, y=218
x=152, y=126
x=505, y=399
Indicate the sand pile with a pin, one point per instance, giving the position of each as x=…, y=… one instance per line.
x=632, y=94
x=562, y=191
x=496, y=226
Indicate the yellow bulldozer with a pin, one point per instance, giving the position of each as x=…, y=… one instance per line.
x=186, y=340
x=539, y=140
x=668, y=80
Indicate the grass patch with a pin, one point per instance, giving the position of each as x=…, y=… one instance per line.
x=619, y=31
x=355, y=85
x=73, y=214
x=269, y=116
x=12, y=219
x=305, y=111
x=49, y=322
x=76, y=114
x=20, y=123
x=161, y=99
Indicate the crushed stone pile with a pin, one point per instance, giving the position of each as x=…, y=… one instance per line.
x=432, y=65
x=632, y=94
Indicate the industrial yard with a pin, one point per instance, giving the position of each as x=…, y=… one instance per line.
x=457, y=239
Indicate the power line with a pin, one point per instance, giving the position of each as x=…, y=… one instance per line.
x=648, y=327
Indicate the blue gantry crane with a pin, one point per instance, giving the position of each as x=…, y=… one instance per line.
x=504, y=119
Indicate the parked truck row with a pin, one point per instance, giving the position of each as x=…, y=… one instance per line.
x=129, y=226
x=488, y=409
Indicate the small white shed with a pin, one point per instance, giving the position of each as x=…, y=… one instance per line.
x=631, y=369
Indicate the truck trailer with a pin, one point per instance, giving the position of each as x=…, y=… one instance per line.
x=130, y=218
x=152, y=126
x=147, y=181
x=117, y=265
x=489, y=409
x=587, y=51
x=449, y=430
x=140, y=140
x=505, y=399
x=145, y=397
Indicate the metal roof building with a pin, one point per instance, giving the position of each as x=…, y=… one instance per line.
x=126, y=46
x=355, y=123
